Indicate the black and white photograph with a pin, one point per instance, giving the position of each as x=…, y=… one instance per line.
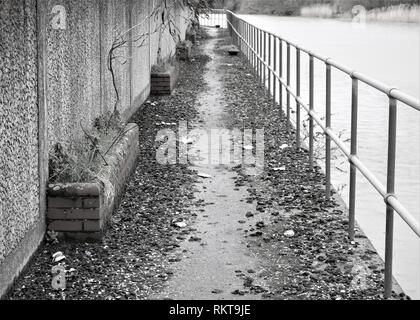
x=209, y=158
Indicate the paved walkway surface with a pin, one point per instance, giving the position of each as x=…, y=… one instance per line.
x=216, y=266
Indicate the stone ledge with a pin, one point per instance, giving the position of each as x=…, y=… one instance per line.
x=74, y=190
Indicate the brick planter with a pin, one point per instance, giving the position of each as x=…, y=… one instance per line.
x=183, y=50
x=163, y=83
x=80, y=211
x=76, y=208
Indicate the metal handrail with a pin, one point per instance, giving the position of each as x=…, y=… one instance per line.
x=252, y=42
x=217, y=17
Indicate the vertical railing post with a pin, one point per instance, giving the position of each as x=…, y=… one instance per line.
x=389, y=231
x=247, y=40
x=230, y=24
x=275, y=69
x=311, y=107
x=236, y=33
x=269, y=63
x=256, y=52
x=260, y=56
x=281, y=77
x=288, y=93
x=297, y=102
x=253, y=48
x=241, y=36
x=227, y=24
x=238, y=29
x=264, y=59
x=327, y=137
x=353, y=148
x=231, y=27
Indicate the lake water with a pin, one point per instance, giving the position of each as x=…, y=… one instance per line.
x=390, y=54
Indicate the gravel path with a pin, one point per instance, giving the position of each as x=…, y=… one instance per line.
x=239, y=236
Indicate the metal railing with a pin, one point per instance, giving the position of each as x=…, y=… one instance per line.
x=217, y=17
x=253, y=42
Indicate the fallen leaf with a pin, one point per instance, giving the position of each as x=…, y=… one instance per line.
x=204, y=175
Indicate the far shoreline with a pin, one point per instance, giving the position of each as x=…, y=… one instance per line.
x=337, y=18
x=391, y=14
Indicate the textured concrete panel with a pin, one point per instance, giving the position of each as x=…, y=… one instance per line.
x=73, y=70
x=184, y=22
x=114, y=20
x=141, y=53
x=180, y=18
x=19, y=183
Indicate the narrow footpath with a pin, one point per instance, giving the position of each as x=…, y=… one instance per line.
x=216, y=265
x=271, y=235
x=201, y=231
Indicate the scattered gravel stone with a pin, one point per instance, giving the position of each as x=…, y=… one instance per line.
x=217, y=291
x=238, y=292
x=195, y=239
x=249, y=215
x=289, y=233
x=256, y=234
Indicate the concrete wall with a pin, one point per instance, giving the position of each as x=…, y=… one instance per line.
x=78, y=89
x=79, y=83
x=20, y=217
x=115, y=17
x=74, y=87
x=140, y=63
x=168, y=43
